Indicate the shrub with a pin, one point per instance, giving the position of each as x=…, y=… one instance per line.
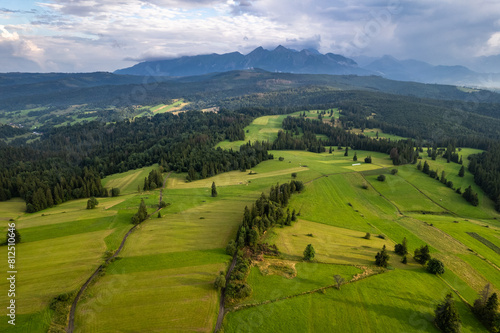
x=115, y=192
x=381, y=178
x=394, y=171
x=367, y=236
x=435, y=266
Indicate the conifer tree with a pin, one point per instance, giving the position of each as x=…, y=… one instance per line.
x=426, y=168
x=141, y=214
x=421, y=254
x=309, y=252
x=447, y=318
x=382, y=258
x=461, y=173
x=355, y=158
x=491, y=318
x=346, y=151
x=401, y=249
x=214, y=190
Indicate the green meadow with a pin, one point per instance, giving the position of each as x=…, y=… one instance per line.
x=162, y=281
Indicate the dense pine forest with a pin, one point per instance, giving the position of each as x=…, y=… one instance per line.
x=70, y=161
x=67, y=162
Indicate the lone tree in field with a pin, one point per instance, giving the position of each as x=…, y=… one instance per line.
x=346, y=151
x=435, y=266
x=339, y=281
x=92, y=202
x=382, y=258
x=355, y=157
x=115, y=192
x=214, y=190
x=309, y=252
x=421, y=255
x=461, y=173
x=402, y=248
x=447, y=318
x=141, y=214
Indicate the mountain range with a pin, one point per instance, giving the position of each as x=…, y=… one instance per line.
x=280, y=59
x=310, y=61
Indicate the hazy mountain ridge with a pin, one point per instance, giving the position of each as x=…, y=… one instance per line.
x=419, y=71
x=310, y=61
x=280, y=59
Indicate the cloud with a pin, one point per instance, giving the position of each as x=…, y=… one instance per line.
x=107, y=34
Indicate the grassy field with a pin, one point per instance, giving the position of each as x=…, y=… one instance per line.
x=130, y=181
x=379, y=303
x=163, y=279
x=261, y=129
x=372, y=133
x=175, y=106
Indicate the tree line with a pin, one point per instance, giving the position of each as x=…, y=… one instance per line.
x=486, y=170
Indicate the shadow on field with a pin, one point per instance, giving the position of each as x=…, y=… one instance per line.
x=415, y=318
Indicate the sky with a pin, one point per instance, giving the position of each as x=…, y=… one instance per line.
x=105, y=35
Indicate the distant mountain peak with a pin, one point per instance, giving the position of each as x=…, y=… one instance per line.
x=281, y=48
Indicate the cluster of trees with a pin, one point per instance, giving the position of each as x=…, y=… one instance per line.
x=469, y=194
x=486, y=309
x=267, y=212
x=237, y=287
x=382, y=258
x=422, y=256
x=153, y=180
x=486, y=170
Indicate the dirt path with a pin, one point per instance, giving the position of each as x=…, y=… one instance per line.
x=71, y=321
x=222, y=309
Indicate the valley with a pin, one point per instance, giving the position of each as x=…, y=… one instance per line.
x=163, y=279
